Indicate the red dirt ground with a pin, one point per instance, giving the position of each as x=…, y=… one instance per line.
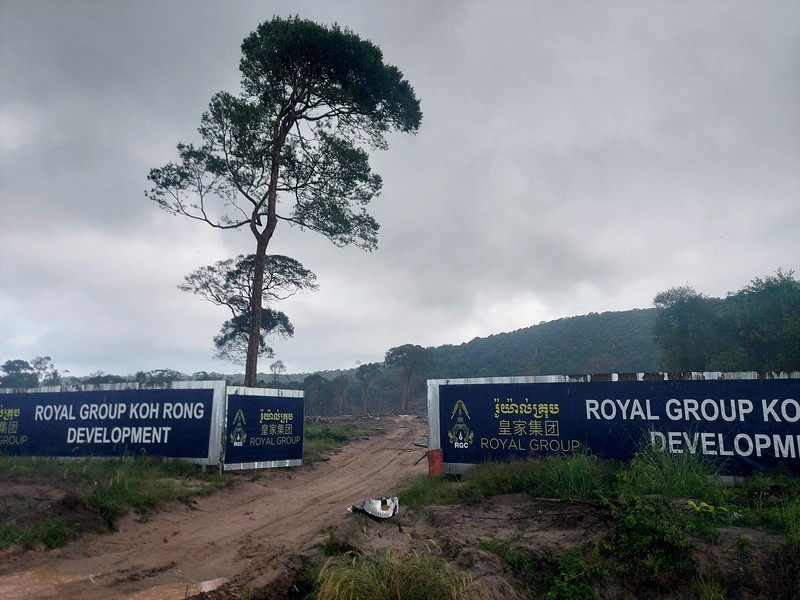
x=244, y=532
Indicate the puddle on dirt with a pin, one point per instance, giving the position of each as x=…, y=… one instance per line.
x=47, y=582
x=35, y=583
x=177, y=591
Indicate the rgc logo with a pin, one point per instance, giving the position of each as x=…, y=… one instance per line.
x=460, y=435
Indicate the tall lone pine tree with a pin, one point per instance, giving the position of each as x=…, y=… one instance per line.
x=312, y=97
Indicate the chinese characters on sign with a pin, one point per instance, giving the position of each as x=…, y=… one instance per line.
x=750, y=423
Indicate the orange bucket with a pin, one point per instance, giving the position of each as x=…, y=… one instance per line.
x=435, y=462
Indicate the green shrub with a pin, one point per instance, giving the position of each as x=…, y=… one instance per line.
x=336, y=546
x=565, y=575
x=791, y=519
x=771, y=501
x=521, y=563
x=650, y=538
x=51, y=532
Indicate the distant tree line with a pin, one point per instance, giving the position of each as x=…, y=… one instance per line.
x=18, y=373
x=593, y=343
x=756, y=328
x=393, y=386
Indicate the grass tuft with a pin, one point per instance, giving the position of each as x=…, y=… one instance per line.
x=579, y=475
x=428, y=490
x=708, y=587
x=682, y=475
x=395, y=576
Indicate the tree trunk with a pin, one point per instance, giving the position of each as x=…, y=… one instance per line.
x=256, y=304
x=262, y=242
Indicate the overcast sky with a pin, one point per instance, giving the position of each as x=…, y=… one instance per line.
x=574, y=157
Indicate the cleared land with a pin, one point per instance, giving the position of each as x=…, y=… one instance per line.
x=245, y=532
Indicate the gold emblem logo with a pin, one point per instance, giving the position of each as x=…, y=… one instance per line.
x=238, y=435
x=460, y=435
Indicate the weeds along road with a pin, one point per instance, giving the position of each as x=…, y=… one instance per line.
x=245, y=531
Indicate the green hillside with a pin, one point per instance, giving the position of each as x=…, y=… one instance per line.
x=620, y=342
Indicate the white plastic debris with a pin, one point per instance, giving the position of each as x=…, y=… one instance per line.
x=384, y=508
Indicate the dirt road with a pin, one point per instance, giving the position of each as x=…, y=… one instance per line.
x=244, y=531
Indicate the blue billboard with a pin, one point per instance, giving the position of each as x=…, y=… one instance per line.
x=109, y=421
x=745, y=423
x=264, y=428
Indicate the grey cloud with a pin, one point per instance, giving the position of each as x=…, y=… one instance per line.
x=573, y=157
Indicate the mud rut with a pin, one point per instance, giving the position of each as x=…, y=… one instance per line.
x=245, y=531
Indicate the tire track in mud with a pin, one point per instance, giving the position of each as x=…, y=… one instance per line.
x=240, y=532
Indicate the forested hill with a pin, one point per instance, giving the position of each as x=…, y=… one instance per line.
x=609, y=342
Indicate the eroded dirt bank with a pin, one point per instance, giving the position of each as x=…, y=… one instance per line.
x=242, y=532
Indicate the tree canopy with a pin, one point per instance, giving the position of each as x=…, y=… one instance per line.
x=18, y=373
x=290, y=147
x=365, y=374
x=756, y=328
x=232, y=341
x=412, y=361
x=229, y=283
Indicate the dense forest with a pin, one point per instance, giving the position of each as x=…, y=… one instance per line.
x=594, y=343
x=756, y=328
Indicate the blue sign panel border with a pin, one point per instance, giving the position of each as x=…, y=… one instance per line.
x=178, y=420
x=264, y=428
x=747, y=421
